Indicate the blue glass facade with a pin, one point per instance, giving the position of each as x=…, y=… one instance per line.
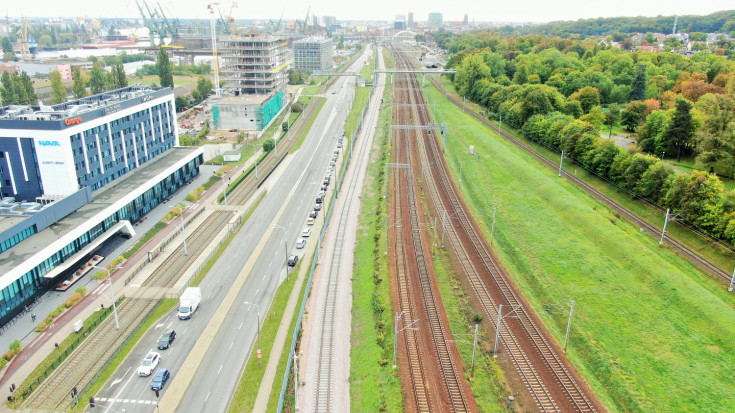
x=30, y=285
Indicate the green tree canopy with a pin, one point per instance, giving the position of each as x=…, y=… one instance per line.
x=78, y=88
x=638, y=88
x=165, y=72
x=58, y=91
x=681, y=129
x=97, y=79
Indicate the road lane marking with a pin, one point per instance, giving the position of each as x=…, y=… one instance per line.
x=240, y=326
x=207, y=398
x=220, y=369
x=230, y=346
x=121, y=390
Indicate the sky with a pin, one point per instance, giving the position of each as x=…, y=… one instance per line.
x=478, y=10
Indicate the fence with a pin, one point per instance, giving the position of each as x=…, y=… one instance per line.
x=96, y=319
x=307, y=290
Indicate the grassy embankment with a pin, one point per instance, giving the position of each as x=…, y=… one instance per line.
x=373, y=384
x=650, y=332
x=714, y=252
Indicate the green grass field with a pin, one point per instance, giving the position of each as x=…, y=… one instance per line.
x=650, y=333
x=373, y=385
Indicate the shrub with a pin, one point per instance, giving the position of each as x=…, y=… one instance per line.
x=99, y=275
x=81, y=290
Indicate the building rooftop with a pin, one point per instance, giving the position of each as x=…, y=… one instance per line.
x=128, y=184
x=77, y=107
x=312, y=40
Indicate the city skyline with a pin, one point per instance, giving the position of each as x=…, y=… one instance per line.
x=528, y=11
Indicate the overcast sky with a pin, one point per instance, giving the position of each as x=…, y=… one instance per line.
x=478, y=10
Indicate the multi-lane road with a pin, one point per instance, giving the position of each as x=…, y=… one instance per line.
x=287, y=203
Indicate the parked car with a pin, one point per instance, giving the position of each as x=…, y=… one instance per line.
x=317, y=207
x=162, y=375
x=324, y=187
x=313, y=214
x=319, y=200
x=306, y=232
x=149, y=363
x=339, y=144
x=166, y=339
x=300, y=243
x=310, y=221
x=293, y=260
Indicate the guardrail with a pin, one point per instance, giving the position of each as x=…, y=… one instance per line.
x=307, y=290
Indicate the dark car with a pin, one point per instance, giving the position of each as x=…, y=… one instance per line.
x=166, y=339
x=293, y=260
x=319, y=199
x=160, y=379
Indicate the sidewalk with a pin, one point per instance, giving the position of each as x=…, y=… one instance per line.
x=35, y=351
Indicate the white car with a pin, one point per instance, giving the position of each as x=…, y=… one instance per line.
x=149, y=363
x=301, y=243
x=306, y=232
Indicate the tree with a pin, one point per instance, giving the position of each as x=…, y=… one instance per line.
x=535, y=103
x=638, y=87
x=97, y=79
x=118, y=77
x=521, y=75
x=165, y=72
x=7, y=91
x=181, y=102
x=472, y=69
x=58, y=91
x=204, y=86
x=78, y=88
x=633, y=115
x=655, y=182
x=612, y=117
x=699, y=199
x=268, y=145
x=681, y=128
x=7, y=46
x=28, y=90
x=588, y=97
x=651, y=133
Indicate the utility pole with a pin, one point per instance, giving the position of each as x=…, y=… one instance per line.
x=444, y=229
x=561, y=161
x=569, y=324
x=460, y=171
x=666, y=224
x=474, y=351
x=732, y=282
x=396, y=331
x=497, y=330
x=492, y=229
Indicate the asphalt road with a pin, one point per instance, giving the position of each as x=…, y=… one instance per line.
x=219, y=372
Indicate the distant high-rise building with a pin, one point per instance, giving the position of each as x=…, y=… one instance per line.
x=315, y=21
x=436, y=19
x=400, y=22
x=329, y=21
x=409, y=24
x=466, y=20
x=313, y=53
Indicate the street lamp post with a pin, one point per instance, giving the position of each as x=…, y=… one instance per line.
x=227, y=182
x=112, y=293
x=247, y=302
x=183, y=229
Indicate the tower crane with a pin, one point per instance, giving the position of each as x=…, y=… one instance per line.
x=215, y=62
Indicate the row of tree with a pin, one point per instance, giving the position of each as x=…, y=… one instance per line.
x=699, y=198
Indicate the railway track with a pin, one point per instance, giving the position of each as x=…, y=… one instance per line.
x=325, y=373
x=414, y=278
x=542, y=370
x=701, y=262
x=81, y=366
x=176, y=264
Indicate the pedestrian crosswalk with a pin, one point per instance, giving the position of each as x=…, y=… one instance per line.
x=135, y=401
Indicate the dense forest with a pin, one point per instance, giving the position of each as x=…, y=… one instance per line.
x=571, y=94
x=719, y=22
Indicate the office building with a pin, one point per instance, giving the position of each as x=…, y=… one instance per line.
x=436, y=19
x=409, y=23
x=89, y=142
x=77, y=175
x=313, y=54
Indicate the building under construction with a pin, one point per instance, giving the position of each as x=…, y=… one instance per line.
x=253, y=65
x=254, y=73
